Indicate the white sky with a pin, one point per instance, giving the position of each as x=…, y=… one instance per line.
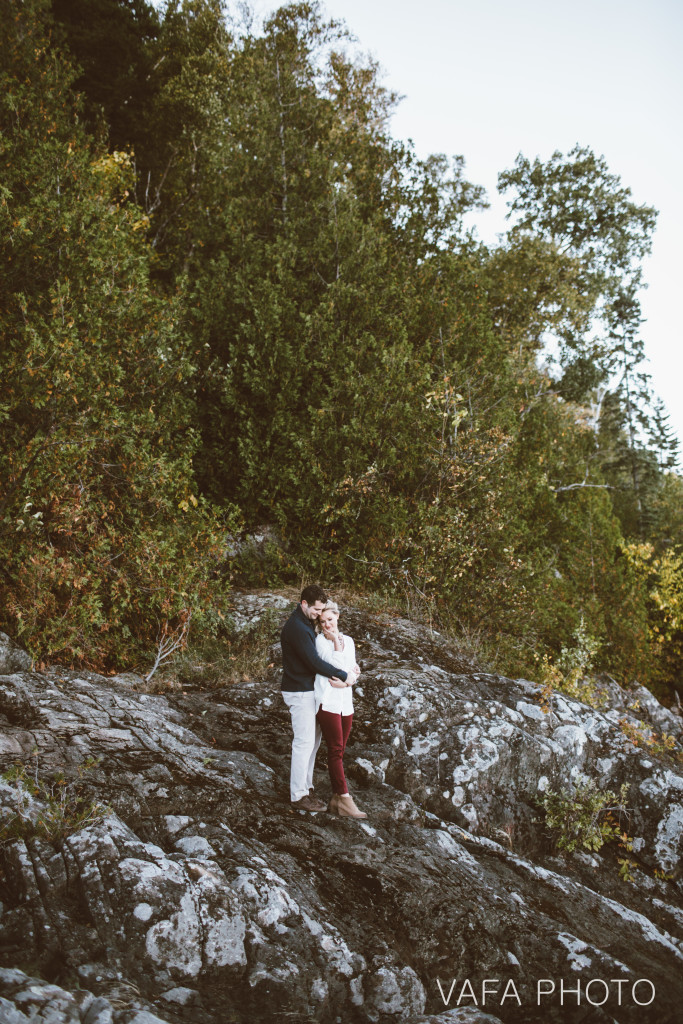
x=491, y=78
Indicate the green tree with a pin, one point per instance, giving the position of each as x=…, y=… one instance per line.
x=303, y=282
x=367, y=373
x=582, y=210
x=102, y=538
x=586, y=213
x=110, y=42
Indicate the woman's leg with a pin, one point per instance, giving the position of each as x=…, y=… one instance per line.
x=347, y=722
x=333, y=731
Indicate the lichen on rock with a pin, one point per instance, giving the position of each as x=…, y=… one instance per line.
x=201, y=896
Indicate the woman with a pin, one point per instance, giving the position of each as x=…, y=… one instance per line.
x=334, y=706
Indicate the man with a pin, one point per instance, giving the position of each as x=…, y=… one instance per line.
x=300, y=663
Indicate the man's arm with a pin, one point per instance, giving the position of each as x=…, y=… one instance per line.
x=352, y=677
x=305, y=646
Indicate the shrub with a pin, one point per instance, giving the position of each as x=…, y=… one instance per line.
x=102, y=537
x=50, y=807
x=231, y=657
x=570, y=674
x=584, y=818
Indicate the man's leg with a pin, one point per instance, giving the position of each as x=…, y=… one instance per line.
x=311, y=762
x=305, y=742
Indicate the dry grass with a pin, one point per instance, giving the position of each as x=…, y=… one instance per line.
x=250, y=653
x=234, y=658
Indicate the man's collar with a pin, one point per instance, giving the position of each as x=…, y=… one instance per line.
x=300, y=613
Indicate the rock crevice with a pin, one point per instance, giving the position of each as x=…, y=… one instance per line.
x=198, y=895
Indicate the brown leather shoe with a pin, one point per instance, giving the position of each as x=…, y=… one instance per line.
x=308, y=803
x=344, y=807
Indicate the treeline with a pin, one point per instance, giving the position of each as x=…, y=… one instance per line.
x=231, y=300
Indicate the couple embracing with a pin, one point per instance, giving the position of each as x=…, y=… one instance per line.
x=318, y=672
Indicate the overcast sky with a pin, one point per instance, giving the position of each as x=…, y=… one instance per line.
x=491, y=78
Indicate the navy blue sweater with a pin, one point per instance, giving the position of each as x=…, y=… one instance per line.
x=300, y=660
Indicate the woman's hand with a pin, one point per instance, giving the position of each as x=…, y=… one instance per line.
x=332, y=634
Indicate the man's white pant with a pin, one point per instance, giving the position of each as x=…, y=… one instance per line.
x=306, y=741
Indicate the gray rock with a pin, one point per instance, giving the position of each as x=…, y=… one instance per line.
x=464, y=1015
x=181, y=996
x=99, y=1011
x=195, y=846
x=197, y=895
x=144, y=1017
x=12, y=657
x=395, y=992
x=248, y=609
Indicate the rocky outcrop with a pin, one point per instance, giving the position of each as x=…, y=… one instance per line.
x=196, y=894
x=12, y=657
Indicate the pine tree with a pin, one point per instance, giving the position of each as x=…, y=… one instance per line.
x=96, y=443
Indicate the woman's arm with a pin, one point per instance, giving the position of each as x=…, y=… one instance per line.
x=339, y=650
x=328, y=655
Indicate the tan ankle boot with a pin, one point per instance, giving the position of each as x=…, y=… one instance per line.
x=347, y=808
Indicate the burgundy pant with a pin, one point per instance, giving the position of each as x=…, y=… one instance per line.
x=336, y=729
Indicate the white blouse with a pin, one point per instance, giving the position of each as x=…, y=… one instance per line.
x=337, y=699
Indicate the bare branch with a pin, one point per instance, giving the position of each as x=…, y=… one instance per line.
x=170, y=641
x=576, y=487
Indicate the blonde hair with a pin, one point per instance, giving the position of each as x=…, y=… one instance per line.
x=330, y=606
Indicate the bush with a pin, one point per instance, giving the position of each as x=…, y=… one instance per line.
x=584, y=818
x=230, y=657
x=102, y=536
x=50, y=807
x=571, y=673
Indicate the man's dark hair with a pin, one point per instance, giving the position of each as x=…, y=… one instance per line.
x=313, y=593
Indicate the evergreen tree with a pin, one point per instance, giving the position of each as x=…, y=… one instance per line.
x=274, y=294
x=110, y=42
x=95, y=435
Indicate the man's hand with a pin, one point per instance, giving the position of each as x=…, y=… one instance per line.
x=352, y=676
x=337, y=682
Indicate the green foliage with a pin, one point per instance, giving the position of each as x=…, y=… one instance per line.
x=589, y=221
x=642, y=735
x=626, y=864
x=662, y=579
x=583, y=817
x=48, y=807
x=588, y=218
x=571, y=674
x=597, y=220
x=274, y=307
x=101, y=534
